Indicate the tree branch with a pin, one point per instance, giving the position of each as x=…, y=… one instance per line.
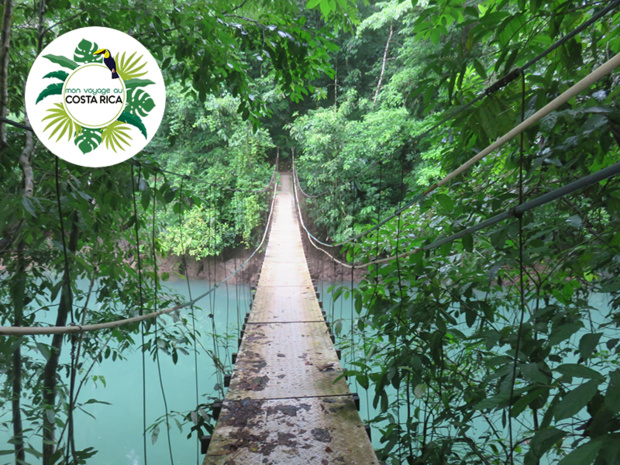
x=385, y=53
x=15, y=123
x=5, y=44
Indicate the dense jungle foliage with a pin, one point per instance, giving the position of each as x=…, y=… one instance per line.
x=501, y=347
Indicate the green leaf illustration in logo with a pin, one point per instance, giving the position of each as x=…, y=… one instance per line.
x=84, y=52
x=62, y=61
x=116, y=135
x=62, y=75
x=129, y=68
x=52, y=89
x=134, y=120
x=135, y=83
x=61, y=123
x=88, y=140
x=139, y=102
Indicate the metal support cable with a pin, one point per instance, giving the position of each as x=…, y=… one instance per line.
x=25, y=330
x=552, y=106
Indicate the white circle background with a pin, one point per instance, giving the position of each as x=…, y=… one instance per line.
x=117, y=42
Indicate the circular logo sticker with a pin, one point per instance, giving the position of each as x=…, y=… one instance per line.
x=95, y=97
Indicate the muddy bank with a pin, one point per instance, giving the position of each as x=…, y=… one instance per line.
x=215, y=269
x=324, y=268
x=321, y=267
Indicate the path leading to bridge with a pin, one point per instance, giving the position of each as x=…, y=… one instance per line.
x=284, y=405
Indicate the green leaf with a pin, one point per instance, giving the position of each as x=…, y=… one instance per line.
x=52, y=89
x=88, y=140
x=446, y=202
x=62, y=75
x=312, y=4
x=563, y=332
x=583, y=455
x=134, y=120
x=612, y=397
x=116, y=135
x=62, y=61
x=62, y=122
x=83, y=53
x=480, y=69
x=468, y=242
x=135, y=83
x=588, y=344
x=544, y=439
x=579, y=371
x=129, y=68
x=532, y=372
x=575, y=400
x=139, y=103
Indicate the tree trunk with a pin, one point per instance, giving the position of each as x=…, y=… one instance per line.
x=51, y=367
x=385, y=54
x=16, y=373
x=5, y=44
x=18, y=305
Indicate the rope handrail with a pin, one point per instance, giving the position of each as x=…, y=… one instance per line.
x=72, y=329
x=498, y=84
x=556, y=103
x=311, y=238
x=301, y=189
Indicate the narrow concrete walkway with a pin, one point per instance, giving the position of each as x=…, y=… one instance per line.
x=283, y=405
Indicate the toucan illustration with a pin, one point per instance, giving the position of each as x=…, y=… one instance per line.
x=108, y=61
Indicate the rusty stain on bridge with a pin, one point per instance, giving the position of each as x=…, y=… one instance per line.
x=284, y=405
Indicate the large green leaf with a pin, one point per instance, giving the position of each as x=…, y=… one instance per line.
x=135, y=83
x=62, y=61
x=129, y=68
x=116, y=136
x=134, y=120
x=52, y=89
x=62, y=75
x=612, y=397
x=542, y=441
x=579, y=371
x=84, y=52
x=61, y=122
x=575, y=400
x=88, y=140
x=139, y=102
x=583, y=455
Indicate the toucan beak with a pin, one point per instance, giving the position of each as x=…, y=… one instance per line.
x=101, y=50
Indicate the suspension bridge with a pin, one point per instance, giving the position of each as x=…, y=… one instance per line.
x=288, y=401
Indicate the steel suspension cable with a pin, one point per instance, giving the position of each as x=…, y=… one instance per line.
x=141, y=308
x=521, y=283
x=192, y=309
x=156, y=323
x=67, y=297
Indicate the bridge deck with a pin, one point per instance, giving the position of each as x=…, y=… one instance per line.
x=283, y=405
